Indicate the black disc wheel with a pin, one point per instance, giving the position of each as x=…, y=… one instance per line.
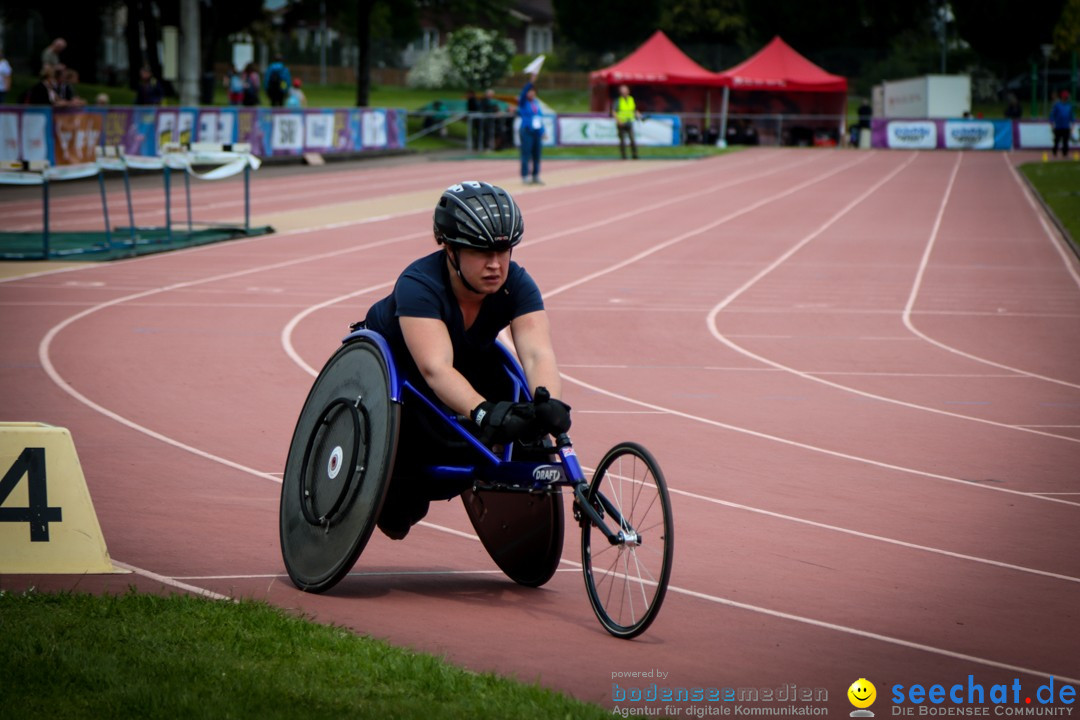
x=626, y=580
x=339, y=467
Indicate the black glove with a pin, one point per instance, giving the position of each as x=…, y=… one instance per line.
x=552, y=416
x=504, y=421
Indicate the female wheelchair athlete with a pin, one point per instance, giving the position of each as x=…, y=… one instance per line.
x=342, y=457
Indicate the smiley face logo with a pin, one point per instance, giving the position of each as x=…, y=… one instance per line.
x=862, y=693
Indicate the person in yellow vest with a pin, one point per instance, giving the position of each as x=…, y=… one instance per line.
x=625, y=112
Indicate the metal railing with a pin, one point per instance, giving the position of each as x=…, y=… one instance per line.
x=479, y=131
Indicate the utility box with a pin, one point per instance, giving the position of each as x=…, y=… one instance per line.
x=929, y=96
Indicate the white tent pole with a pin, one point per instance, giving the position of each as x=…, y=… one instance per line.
x=723, y=114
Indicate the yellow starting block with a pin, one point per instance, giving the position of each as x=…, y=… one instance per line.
x=47, y=521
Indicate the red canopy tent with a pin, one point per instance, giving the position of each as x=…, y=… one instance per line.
x=777, y=80
x=662, y=77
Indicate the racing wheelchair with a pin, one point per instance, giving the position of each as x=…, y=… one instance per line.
x=342, y=457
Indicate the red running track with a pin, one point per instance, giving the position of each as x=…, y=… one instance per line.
x=858, y=371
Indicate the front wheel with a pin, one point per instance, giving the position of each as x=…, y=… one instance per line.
x=626, y=580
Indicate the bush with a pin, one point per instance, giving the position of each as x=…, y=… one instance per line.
x=478, y=57
x=432, y=70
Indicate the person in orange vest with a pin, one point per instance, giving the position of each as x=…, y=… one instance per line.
x=625, y=111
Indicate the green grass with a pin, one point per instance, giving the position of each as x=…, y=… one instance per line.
x=119, y=656
x=1059, y=185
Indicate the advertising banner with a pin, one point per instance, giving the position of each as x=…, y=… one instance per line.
x=373, y=129
x=75, y=135
x=37, y=137
x=600, y=130
x=9, y=136
x=978, y=134
x=217, y=126
x=550, y=128
x=1039, y=136
x=69, y=136
x=287, y=133
x=908, y=134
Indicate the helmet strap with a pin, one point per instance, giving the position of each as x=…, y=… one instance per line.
x=455, y=262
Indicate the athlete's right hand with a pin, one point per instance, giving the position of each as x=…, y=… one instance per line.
x=552, y=415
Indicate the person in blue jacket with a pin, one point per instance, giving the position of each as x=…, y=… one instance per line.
x=278, y=81
x=1061, y=120
x=531, y=133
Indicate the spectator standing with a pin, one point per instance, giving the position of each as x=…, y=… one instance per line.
x=296, y=98
x=66, y=79
x=1013, y=110
x=235, y=83
x=5, y=77
x=251, y=85
x=44, y=91
x=278, y=81
x=531, y=133
x=625, y=113
x=476, y=124
x=489, y=107
x=1061, y=120
x=865, y=114
x=148, y=91
x=51, y=54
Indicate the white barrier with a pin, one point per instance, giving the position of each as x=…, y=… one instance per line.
x=228, y=160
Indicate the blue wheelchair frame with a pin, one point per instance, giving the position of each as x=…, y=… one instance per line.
x=502, y=472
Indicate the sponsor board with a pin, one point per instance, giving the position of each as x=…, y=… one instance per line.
x=969, y=135
x=600, y=130
x=911, y=134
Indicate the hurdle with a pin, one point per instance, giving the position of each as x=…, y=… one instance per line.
x=227, y=160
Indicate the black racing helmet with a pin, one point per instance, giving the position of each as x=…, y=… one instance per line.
x=478, y=215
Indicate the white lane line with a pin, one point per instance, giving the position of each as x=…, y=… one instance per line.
x=45, y=358
x=43, y=352
x=805, y=446
x=46, y=342
x=287, y=331
x=290, y=326
x=879, y=538
x=888, y=639
x=711, y=319
x=287, y=343
x=878, y=637
x=369, y=220
x=575, y=566
x=171, y=582
x=704, y=228
x=379, y=574
x=1055, y=239
x=917, y=286
x=738, y=368
x=618, y=412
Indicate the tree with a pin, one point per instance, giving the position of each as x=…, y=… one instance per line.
x=1067, y=30
x=221, y=18
x=479, y=57
x=810, y=27
x=704, y=21
x=78, y=23
x=1007, y=37
x=606, y=25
